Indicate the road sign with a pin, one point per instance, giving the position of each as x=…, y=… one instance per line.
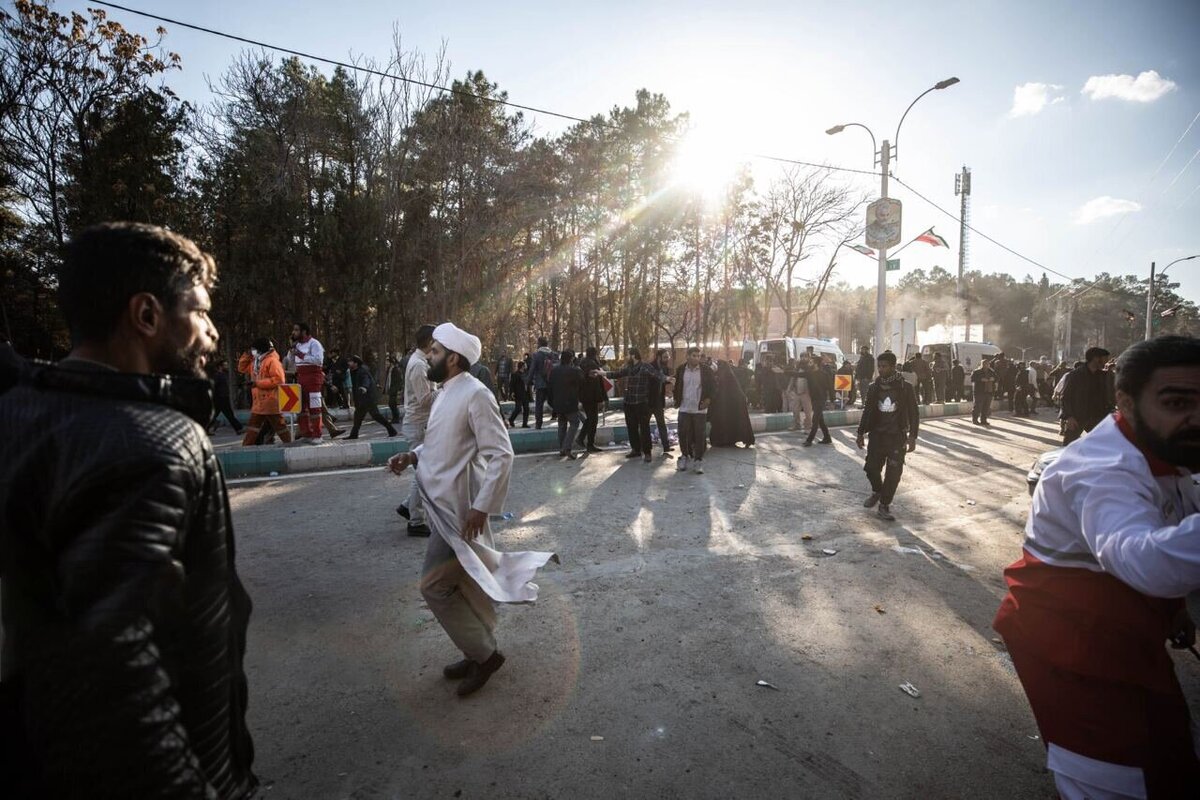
x=883, y=223
x=893, y=265
x=842, y=383
x=289, y=398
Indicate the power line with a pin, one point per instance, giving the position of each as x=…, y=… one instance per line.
x=975, y=230
x=1005, y=247
x=437, y=87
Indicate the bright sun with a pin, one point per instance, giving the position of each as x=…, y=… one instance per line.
x=704, y=164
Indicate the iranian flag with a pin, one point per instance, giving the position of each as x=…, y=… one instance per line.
x=861, y=248
x=929, y=237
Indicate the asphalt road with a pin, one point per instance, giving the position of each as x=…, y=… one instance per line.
x=677, y=592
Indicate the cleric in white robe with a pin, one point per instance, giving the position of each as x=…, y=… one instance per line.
x=462, y=471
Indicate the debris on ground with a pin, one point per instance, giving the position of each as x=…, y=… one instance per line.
x=597, y=738
x=914, y=551
x=879, y=608
x=909, y=689
x=970, y=502
x=807, y=537
x=829, y=552
x=766, y=685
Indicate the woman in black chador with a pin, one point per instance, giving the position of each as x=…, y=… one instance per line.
x=729, y=415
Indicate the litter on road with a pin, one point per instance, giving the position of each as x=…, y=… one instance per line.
x=766, y=685
x=909, y=689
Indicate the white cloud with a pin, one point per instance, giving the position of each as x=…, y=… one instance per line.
x=1101, y=207
x=1145, y=88
x=1031, y=98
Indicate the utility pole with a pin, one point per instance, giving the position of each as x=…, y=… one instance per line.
x=962, y=188
x=881, y=344
x=1150, y=304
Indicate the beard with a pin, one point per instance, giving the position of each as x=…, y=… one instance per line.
x=189, y=362
x=1181, y=449
x=438, y=370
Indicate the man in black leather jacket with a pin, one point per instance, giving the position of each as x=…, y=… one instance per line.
x=124, y=619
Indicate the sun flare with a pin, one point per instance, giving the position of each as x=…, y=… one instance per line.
x=704, y=163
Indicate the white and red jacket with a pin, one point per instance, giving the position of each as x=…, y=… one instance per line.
x=1112, y=544
x=308, y=353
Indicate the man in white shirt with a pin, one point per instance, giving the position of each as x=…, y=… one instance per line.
x=418, y=400
x=694, y=387
x=309, y=357
x=1111, y=548
x=463, y=469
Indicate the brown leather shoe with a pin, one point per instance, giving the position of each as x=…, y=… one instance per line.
x=458, y=670
x=478, y=674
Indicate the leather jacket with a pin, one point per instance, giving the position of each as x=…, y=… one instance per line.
x=124, y=619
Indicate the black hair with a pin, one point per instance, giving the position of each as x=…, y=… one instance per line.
x=105, y=265
x=304, y=329
x=590, y=352
x=566, y=356
x=424, y=336
x=543, y=341
x=464, y=363
x=693, y=350
x=1137, y=364
x=888, y=356
x=635, y=353
x=356, y=359
x=262, y=344
x=1095, y=352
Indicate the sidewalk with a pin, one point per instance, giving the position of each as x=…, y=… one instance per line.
x=271, y=460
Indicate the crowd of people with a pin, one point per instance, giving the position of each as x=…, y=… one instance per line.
x=125, y=620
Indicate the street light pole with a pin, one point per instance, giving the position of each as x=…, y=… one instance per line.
x=1150, y=304
x=881, y=295
x=1150, y=291
x=885, y=157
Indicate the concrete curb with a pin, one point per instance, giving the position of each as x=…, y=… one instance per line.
x=278, y=460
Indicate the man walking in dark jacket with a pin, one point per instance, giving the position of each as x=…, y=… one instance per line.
x=864, y=370
x=593, y=397
x=566, y=381
x=1087, y=397
x=820, y=389
x=891, y=419
x=536, y=380
x=658, y=401
x=958, y=380
x=366, y=397
x=983, y=386
x=124, y=618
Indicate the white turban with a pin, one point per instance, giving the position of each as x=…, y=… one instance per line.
x=455, y=338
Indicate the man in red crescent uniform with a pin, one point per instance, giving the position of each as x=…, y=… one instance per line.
x=1111, y=548
x=310, y=374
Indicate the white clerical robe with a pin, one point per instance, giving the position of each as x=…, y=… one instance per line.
x=464, y=464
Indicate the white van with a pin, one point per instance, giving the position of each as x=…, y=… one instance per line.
x=969, y=354
x=787, y=348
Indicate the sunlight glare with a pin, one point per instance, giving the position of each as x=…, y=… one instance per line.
x=704, y=163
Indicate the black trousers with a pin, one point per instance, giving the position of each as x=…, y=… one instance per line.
x=367, y=405
x=394, y=406
x=939, y=390
x=885, y=450
x=956, y=392
x=926, y=387
x=818, y=421
x=591, y=419
x=637, y=422
x=223, y=408
x=539, y=406
x=664, y=438
x=982, y=408
x=521, y=407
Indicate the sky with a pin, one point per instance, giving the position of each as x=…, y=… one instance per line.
x=1066, y=111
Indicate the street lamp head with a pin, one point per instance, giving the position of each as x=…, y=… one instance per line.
x=946, y=84
x=836, y=129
